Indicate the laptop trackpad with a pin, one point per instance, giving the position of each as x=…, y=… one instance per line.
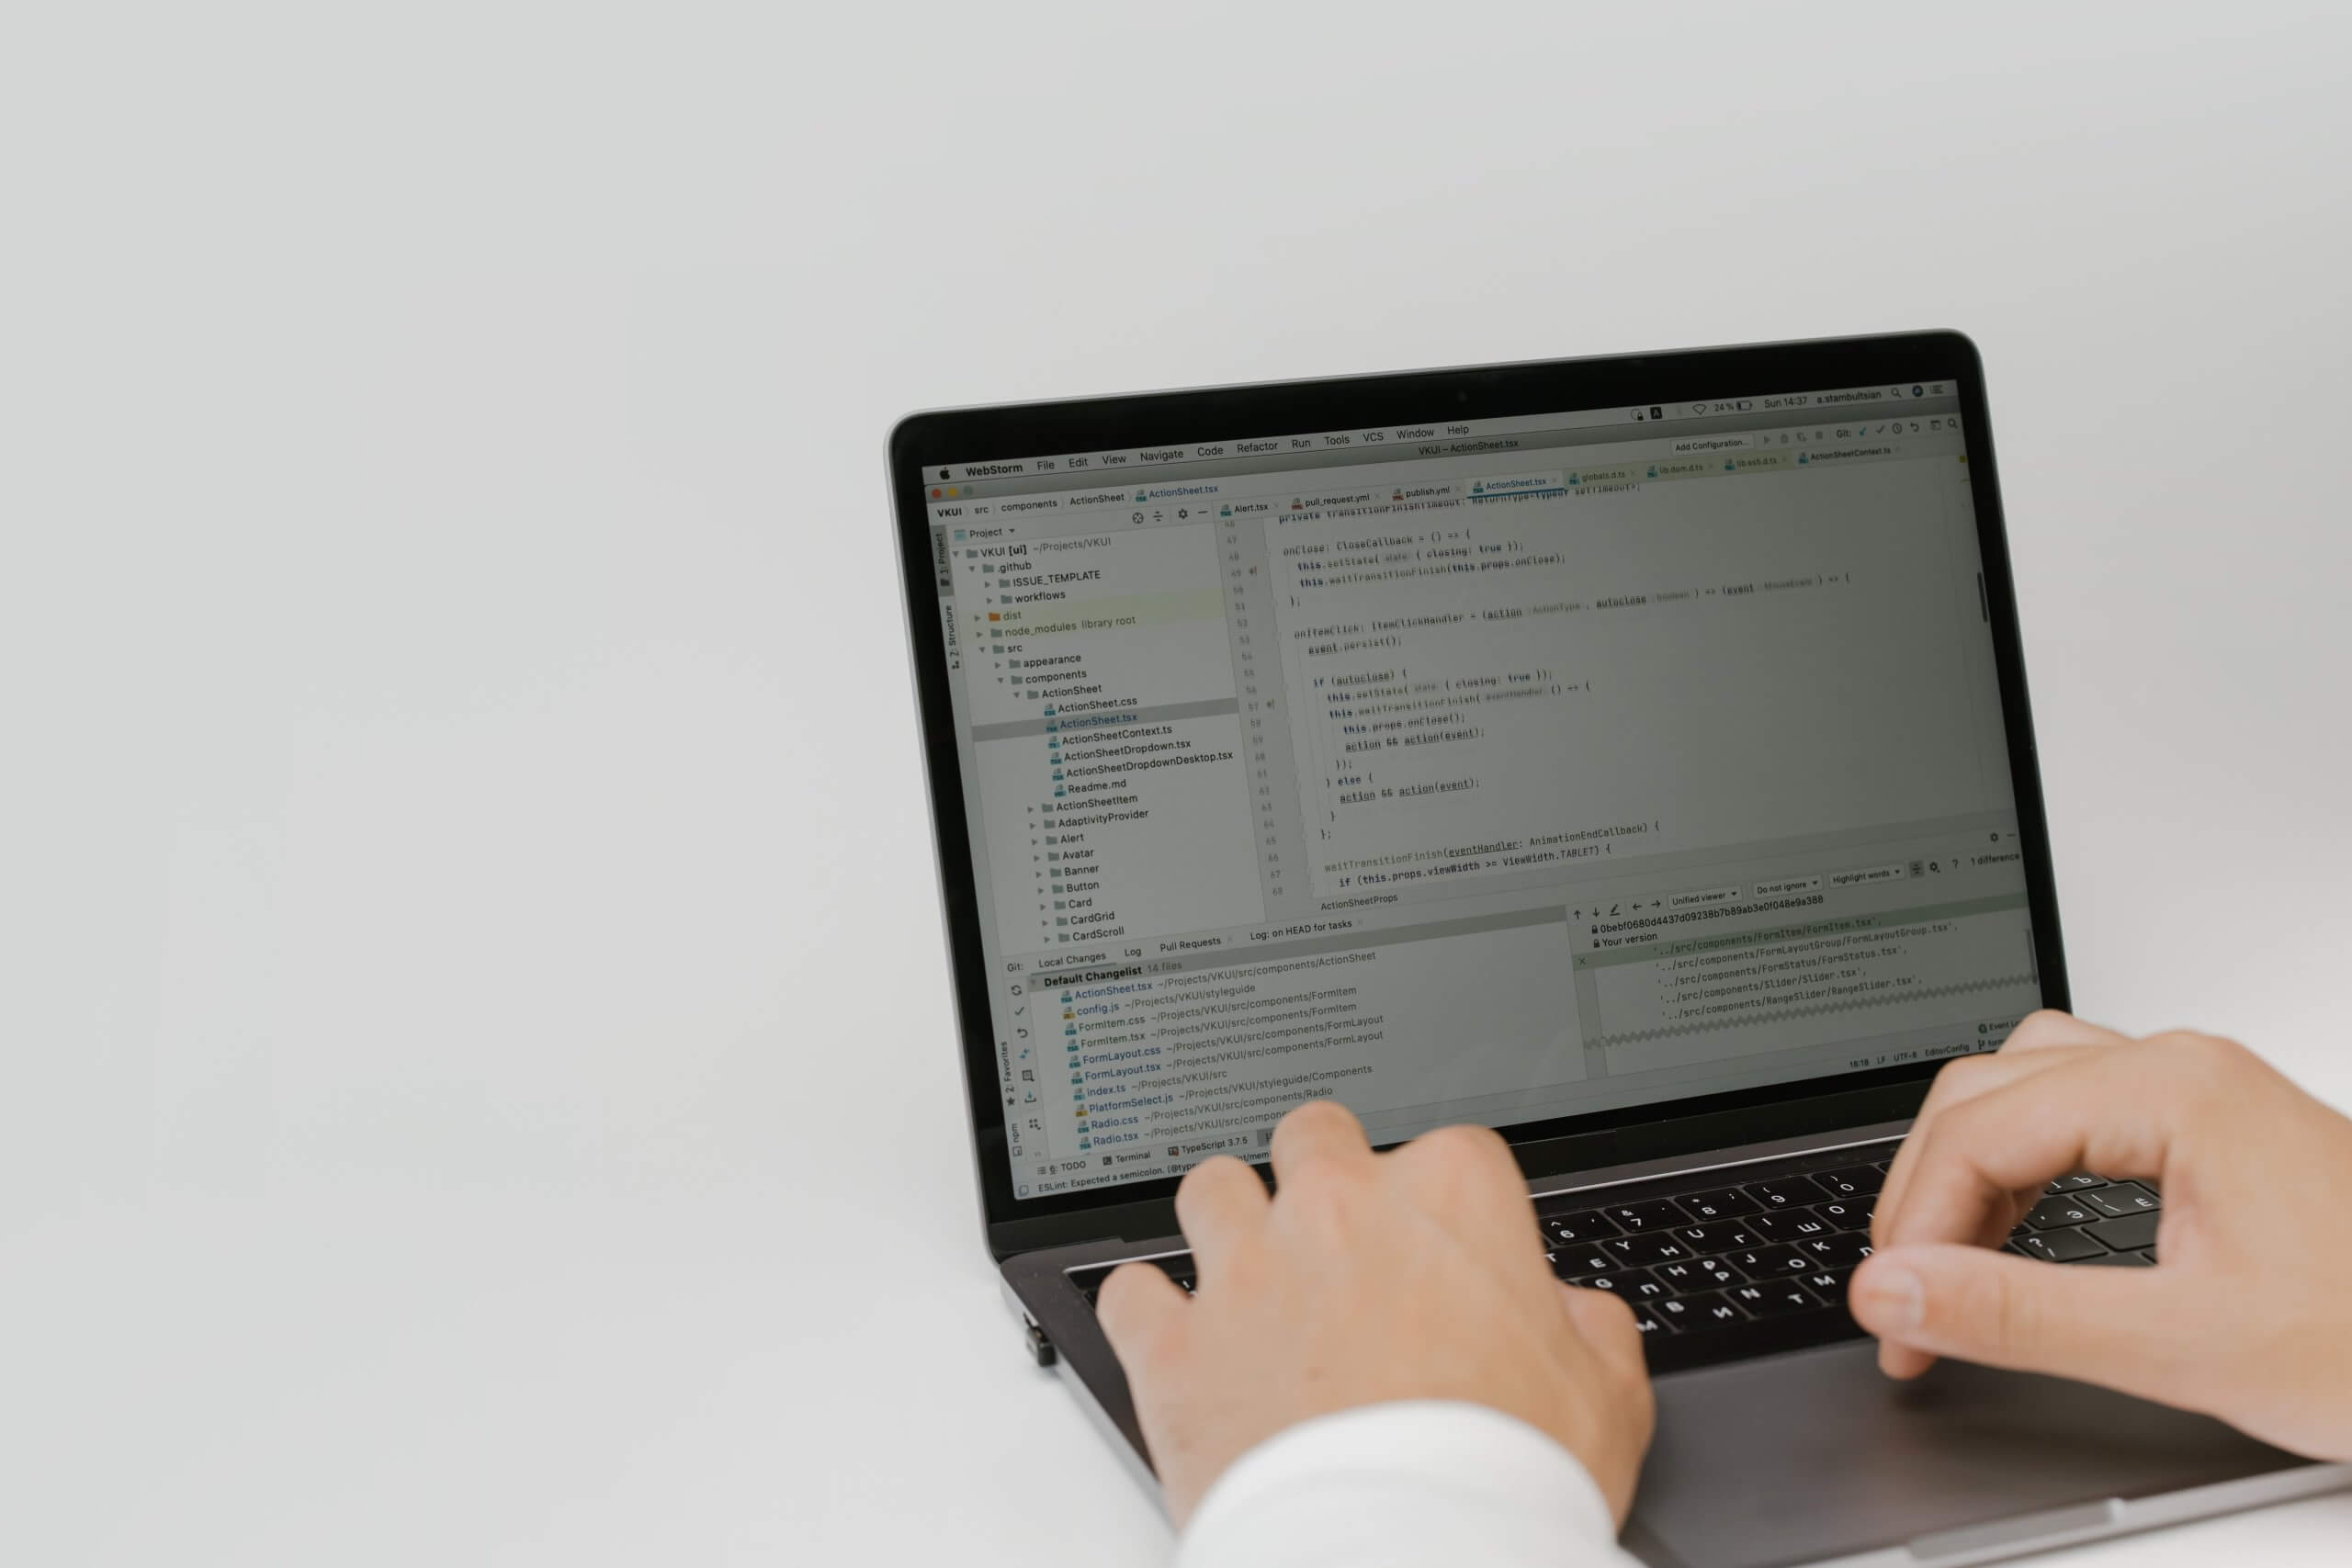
x=1794, y=1459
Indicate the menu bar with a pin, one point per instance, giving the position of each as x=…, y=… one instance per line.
x=1591, y=470
x=1434, y=437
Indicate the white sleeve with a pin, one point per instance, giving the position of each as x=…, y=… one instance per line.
x=1417, y=1482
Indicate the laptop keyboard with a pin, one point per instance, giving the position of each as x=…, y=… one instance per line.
x=1724, y=1272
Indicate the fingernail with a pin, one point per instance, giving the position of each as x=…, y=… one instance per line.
x=1891, y=1294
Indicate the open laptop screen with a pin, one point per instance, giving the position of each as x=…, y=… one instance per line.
x=1495, y=770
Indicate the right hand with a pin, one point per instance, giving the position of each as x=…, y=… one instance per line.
x=2247, y=1314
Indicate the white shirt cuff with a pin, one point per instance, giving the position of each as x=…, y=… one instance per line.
x=1415, y=1481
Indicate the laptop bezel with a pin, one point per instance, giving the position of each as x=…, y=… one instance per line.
x=1666, y=1130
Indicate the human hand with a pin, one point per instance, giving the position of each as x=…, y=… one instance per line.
x=2247, y=1314
x=1416, y=1274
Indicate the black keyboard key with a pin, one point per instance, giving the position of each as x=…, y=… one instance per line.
x=1690, y=1313
x=1790, y=1224
x=1846, y=1216
x=2053, y=1212
x=2131, y=1233
x=1719, y=1310
x=1587, y=1225
x=2123, y=1198
x=1675, y=1310
x=1764, y=1262
x=2060, y=1246
x=1719, y=1272
x=1722, y=1238
x=1638, y=1250
x=1829, y=1284
x=1785, y=1192
x=1638, y=1217
x=1647, y=1319
x=1728, y=1204
x=1617, y=1284
x=1856, y=1181
x=1769, y=1298
x=2081, y=1181
x=1841, y=1251
x=1685, y=1276
x=1575, y=1262
x=2117, y=1261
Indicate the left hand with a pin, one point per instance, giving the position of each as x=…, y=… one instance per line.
x=1417, y=1274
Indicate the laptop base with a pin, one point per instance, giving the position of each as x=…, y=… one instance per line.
x=1816, y=1457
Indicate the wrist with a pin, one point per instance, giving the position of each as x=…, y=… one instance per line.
x=1379, y=1470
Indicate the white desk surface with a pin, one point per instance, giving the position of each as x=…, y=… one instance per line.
x=478, y=1077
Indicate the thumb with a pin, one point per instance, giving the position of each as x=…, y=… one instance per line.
x=1605, y=1323
x=2102, y=1325
x=1138, y=1307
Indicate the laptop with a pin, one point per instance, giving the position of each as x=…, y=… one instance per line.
x=1630, y=754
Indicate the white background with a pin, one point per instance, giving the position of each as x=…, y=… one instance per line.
x=477, y=1082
